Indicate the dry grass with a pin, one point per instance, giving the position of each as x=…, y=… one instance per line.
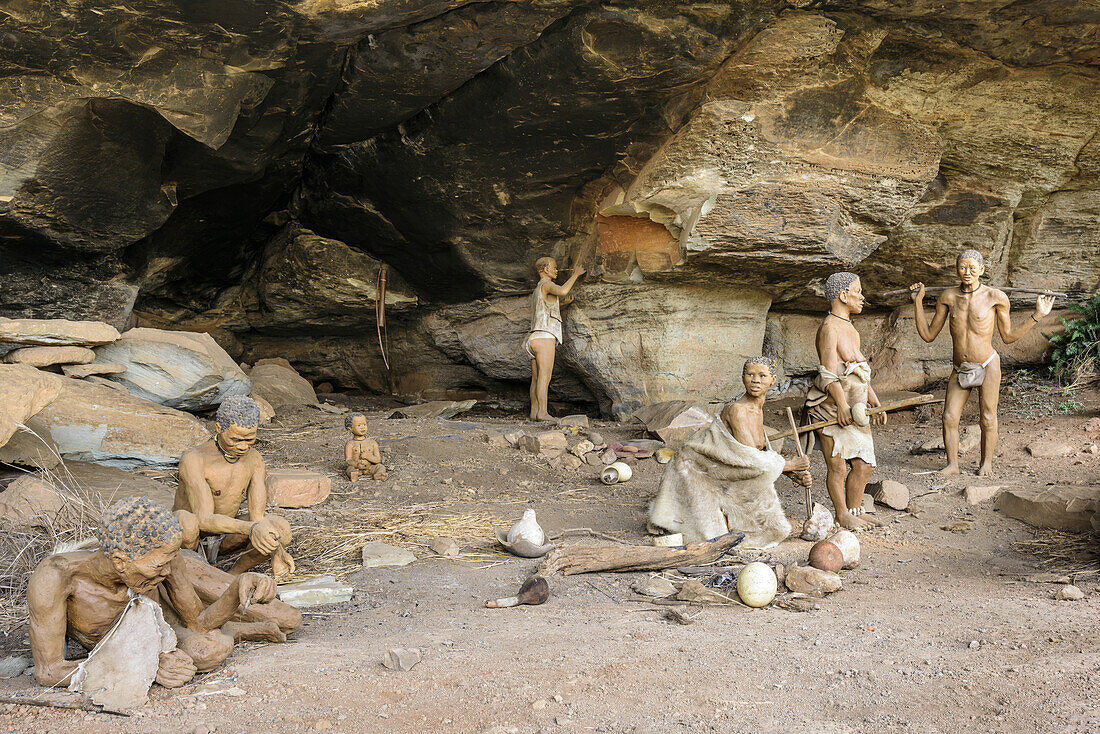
x=333, y=546
x=1073, y=554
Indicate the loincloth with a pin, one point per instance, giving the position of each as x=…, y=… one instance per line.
x=972, y=374
x=540, y=334
x=851, y=441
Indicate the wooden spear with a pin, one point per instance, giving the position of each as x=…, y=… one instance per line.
x=801, y=453
x=899, y=405
x=1006, y=289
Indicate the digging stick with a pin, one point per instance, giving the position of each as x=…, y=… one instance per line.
x=801, y=453
x=899, y=405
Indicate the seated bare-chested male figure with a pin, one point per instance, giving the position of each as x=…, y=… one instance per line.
x=80, y=595
x=214, y=479
x=975, y=311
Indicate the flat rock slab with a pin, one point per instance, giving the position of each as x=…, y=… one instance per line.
x=297, y=487
x=548, y=444
x=179, y=369
x=675, y=420
x=109, y=484
x=1051, y=448
x=31, y=447
x=323, y=590
x=657, y=587
x=434, y=409
x=49, y=356
x=977, y=494
x=377, y=555
x=813, y=581
x=890, y=493
x=98, y=368
x=24, y=391
x=1062, y=507
x=57, y=332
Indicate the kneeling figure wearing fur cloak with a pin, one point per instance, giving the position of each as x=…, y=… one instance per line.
x=723, y=479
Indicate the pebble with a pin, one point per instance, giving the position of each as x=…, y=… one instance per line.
x=975, y=645
x=377, y=554
x=654, y=586
x=446, y=547
x=322, y=725
x=1069, y=593
x=11, y=667
x=401, y=658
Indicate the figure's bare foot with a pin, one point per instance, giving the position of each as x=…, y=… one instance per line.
x=848, y=521
x=544, y=416
x=950, y=469
x=985, y=470
x=282, y=565
x=872, y=522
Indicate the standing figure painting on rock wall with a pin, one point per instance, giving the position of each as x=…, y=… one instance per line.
x=843, y=381
x=975, y=311
x=546, y=332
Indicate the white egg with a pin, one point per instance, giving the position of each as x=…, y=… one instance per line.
x=757, y=584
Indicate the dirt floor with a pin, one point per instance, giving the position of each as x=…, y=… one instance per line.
x=936, y=631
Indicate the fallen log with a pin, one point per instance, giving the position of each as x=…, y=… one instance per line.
x=596, y=558
x=899, y=405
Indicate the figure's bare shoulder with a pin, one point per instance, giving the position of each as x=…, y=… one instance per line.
x=197, y=454
x=998, y=297
x=949, y=296
x=57, y=571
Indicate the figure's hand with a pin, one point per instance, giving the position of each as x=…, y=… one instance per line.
x=843, y=415
x=878, y=419
x=1043, y=305
x=264, y=536
x=916, y=292
x=797, y=464
x=258, y=587
x=579, y=270
x=175, y=669
x=802, y=479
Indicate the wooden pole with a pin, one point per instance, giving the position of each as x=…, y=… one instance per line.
x=576, y=559
x=899, y=405
x=801, y=453
x=1006, y=289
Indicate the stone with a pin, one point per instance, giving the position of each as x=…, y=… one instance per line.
x=315, y=592
x=581, y=448
x=597, y=439
x=547, y=444
x=970, y=438
x=106, y=483
x=177, y=369
x=813, y=581
x=56, y=332
x=104, y=382
x=696, y=592
x=84, y=370
x=377, y=554
x=1069, y=593
x=567, y=462
x=31, y=447
x=890, y=493
x=277, y=382
x=118, y=672
x=88, y=422
x=297, y=487
x=446, y=547
x=576, y=421
x=13, y=666
x=30, y=502
x=1061, y=507
x=266, y=411
x=436, y=409
x=869, y=504
x=497, y=440
x=1050, y=449
x=976, y=494
x=674, y=421
x=592, y=458
x=608, y=456
x=48, y=356
x=24, y=391
x=401, y=658
x=657, y=587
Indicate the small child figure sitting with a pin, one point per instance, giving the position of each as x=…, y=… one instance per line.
x=361, y=453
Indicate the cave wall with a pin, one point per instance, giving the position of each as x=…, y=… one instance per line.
x=246, y=168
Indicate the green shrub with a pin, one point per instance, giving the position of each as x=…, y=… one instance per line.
x=1076, y=352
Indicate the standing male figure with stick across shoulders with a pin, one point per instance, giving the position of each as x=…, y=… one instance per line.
x=975, y=311
x=546, y=331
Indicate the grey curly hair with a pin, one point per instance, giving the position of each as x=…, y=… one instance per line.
x=136, y=526
x=970, y=255
x=349, y=417
x=238, y=410
x=837, y=283
x=768, y=362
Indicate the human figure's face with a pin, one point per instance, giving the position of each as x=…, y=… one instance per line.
x=970, y=272
x=758, y=380
x=358, y=426
x=236, y=440
x=853, y=297
x=551, y=270
x=145, y=572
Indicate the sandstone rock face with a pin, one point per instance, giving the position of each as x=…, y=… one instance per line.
x=177, y=369
x=24, y=391
x=30, y=501
x=31, y=447
x=56, y=332
x=280, y=384
x=86, y=370
x=297, y=488
x=47, y=356
x=689, y=155
x=1061, y=507
x=91, y=423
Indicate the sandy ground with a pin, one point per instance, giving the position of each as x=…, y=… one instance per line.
x=936, y=631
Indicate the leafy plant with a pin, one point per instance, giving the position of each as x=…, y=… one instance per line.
x=1076, y=351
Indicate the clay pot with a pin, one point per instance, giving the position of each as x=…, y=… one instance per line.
x=826, y=556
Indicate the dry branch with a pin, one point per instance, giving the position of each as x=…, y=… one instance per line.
x=595, y=558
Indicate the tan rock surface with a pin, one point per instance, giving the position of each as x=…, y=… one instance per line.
x=277, y=382
x=30, y=501
x=56, y=332
x=24, y=391
x=297, y=488
x=48, y=356
x=86, y=370
x=31, y=447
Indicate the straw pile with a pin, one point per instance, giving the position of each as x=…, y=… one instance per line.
x=1074, y=554
x=333, y=545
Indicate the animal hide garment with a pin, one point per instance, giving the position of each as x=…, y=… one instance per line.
x=716, y=485
x=119, y=670
x=851, y=441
